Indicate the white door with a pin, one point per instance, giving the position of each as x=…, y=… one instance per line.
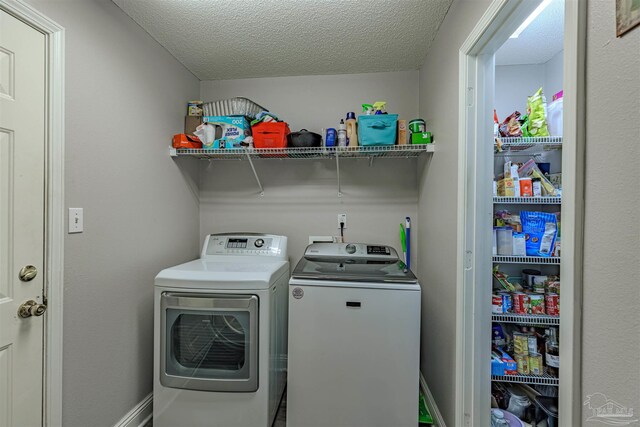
x=22, y=193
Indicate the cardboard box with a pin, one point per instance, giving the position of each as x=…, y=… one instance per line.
x=191, y=123
x=402, y=132
x=506, y=188
x=232, y=130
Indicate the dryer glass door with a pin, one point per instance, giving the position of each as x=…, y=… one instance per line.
x=209, y=342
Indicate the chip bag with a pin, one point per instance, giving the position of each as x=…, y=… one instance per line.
x=510, y=127
x=536, y=109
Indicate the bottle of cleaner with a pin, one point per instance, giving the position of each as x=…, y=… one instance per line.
x=342, y=134
x=496, y=123
x=352, y=134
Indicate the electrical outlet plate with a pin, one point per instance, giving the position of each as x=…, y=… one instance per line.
x=342, y=219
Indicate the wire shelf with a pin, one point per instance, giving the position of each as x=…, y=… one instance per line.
x=527, y=200
x=526, y=319
x=522, y=143
x=544, y=379
x=506, y=259
x=398, y=151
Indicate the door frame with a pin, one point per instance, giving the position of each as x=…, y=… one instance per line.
x=54, y=203
x=476, y=79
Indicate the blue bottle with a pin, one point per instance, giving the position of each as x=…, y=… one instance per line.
x=330, y=140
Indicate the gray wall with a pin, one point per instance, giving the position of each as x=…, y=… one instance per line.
x=125, y=96
x=438, y=193
x=301, y=195
x=611, y=326
x=316, y=102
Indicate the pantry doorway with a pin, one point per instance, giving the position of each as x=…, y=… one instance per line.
x=475, y=213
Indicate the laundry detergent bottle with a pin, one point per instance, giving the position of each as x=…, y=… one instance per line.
x=352, y=134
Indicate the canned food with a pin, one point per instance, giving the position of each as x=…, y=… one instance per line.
x=496, y=304
x=552, y=303
x=538, y=283
x=535, y=364
x=527, y=273
x=532, y=344
x=520, y=343
x=507, y=303
x=521, y=303
x=537, y=303
x=522, y=362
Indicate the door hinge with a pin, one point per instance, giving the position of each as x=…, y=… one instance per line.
x=469, y=97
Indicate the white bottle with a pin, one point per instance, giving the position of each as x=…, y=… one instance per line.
x=342, y=134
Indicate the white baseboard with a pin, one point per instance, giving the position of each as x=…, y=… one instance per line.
x=431, y=404
x=139, y=415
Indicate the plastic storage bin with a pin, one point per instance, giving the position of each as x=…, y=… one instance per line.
x=379, y=129
x=270, y=135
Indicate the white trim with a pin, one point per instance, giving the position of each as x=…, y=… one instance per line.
x=54, y=250
x=573, y=172
x=472, y=344
x=139, y=415
x=438, y=421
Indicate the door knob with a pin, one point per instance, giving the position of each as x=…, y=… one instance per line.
x=31, y=308
x=28, y=273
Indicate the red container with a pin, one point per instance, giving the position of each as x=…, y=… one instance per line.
x=270, y=135
x=521, y=303
x=182, y=140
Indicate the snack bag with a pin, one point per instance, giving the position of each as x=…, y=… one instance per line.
x=524, y=125
x=510, y=127
x=536, y=109
x=540, y=229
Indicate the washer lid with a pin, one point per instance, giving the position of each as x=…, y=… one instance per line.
x=353, y=270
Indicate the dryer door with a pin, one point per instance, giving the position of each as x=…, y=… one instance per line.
x=209, y=342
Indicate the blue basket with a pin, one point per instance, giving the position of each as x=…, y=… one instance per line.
x=380, y=129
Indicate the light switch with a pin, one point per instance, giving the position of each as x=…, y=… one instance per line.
x=76, y=221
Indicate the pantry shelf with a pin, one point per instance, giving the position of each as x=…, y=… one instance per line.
x=506, y=259
x=544, y=379
x=526, y=319
x=524, y=143
x=397, y=151
x=498, y=200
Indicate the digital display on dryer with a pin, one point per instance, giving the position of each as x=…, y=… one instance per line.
x=236, y=243
x=378, y=250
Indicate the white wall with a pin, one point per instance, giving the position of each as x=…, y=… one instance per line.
x=437, y=248
x=316, y=102
x=301, y=195
x=125, y=97
x=514, y=83
x=611, y=326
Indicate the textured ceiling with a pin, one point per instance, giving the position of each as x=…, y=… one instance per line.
x=537, y=44
x=228, y=39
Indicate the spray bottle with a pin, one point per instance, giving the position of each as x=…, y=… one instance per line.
x=352, y=135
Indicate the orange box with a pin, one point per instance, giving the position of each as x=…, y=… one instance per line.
x=270, y=134
x=182, y=140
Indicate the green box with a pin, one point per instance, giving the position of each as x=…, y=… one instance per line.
x=421, y=138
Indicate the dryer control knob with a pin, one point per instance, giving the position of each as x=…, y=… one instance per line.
x=259, y=243
x=351, y=249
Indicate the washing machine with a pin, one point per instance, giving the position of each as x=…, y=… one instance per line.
x=354, y=338
x=221, y=334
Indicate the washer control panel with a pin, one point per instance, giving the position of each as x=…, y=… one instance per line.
x=245, y=245
x=351, y=250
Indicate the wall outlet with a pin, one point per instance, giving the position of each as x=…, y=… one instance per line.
x=342, y=219
x=76, y=220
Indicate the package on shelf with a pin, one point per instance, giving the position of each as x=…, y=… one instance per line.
x=230, y=131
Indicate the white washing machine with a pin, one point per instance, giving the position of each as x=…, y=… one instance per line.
x=221, y=334
x=354, y=338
